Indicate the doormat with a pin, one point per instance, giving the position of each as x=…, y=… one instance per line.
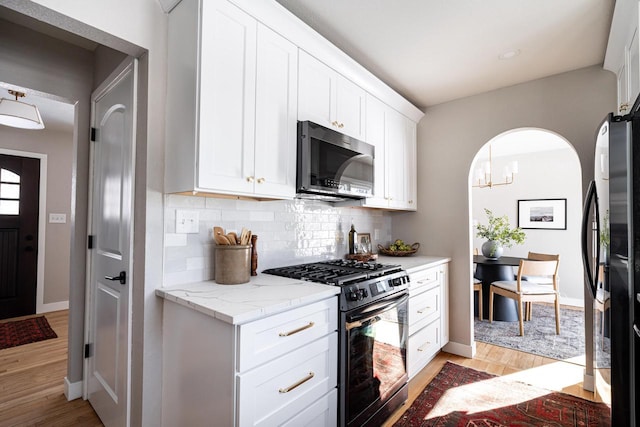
x=540, y=335
x=461, y=396
x=19, y=332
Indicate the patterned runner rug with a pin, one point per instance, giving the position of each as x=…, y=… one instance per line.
x=17, y=332
x=461, y=396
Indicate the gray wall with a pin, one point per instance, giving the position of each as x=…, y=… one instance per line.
x=57, y=146
x=571, y=104
x=32, y=60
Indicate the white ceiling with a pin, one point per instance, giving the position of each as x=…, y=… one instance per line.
x=434, y=51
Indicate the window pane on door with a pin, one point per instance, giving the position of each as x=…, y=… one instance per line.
x=9, y=193
x=9, y=207
x=8, y=176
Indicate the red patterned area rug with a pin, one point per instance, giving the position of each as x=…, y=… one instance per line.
x=18, y=332
x=461, y=396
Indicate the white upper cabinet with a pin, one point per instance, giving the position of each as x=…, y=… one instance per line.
x=276, y=114
x=623, y=53
x=394, y=137
x=329, y=99
x=241, y=99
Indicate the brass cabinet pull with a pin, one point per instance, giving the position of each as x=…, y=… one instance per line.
x=295, y=331
x=623, y=107
x=250, y=179
x=422, y=347
x=261, y=180
x=297, y=384
x=341, y=125
x=427, y=308
x=334, y=123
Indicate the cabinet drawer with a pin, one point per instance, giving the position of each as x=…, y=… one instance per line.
x=423, y=309
x=422, y=346
x=322, y=413
x=282, y=388
x=424, y=279
x=268, y=338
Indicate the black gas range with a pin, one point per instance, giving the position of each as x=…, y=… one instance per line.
x=361, y=282
x=373, y=332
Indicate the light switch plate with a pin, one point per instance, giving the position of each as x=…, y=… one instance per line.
x=57, y=218
x=187, y=221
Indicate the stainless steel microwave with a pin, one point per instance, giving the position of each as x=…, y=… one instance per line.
x=331, y=165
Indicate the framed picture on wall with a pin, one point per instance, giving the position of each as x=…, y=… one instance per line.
x=364, y=243
x=543, y=214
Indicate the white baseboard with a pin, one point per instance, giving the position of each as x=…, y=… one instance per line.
x=575, y=302
x=460, y=349
x=53, y=306
x=72, y=391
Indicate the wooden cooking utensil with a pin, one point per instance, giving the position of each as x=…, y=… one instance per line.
x=221, y=239
x=218, y=230
x=232, y=238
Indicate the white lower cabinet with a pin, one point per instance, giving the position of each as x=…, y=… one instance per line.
x=278, y=370
x=427, y=318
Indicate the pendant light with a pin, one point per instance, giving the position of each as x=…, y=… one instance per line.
x=484, y=175
x=19, y=114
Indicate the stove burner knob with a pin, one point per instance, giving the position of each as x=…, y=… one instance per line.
x=353, y=296
x=364, y=293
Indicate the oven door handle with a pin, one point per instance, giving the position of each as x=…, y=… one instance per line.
x=359, y=323
x=377, y=308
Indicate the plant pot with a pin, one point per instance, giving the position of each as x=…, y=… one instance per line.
x=492, y=249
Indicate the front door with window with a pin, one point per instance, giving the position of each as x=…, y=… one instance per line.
x=19, y=194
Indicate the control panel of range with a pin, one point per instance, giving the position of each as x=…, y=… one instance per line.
x=360, y=293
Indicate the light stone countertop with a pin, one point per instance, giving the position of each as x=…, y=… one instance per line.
x=266, y=294
x=413, y=262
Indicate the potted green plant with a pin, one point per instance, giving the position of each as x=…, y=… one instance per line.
x=498, y=234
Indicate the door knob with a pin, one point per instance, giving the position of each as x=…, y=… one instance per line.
x=122, y=277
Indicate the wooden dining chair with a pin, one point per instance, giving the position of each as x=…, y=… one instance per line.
x=540, y=280
x=477, y=287
x=526, y=291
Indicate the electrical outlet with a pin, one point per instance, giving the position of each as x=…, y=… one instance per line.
x=57, y=218
x=187, y=221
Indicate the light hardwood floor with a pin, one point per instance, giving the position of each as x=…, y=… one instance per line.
x=31, y=379
x=31, y=383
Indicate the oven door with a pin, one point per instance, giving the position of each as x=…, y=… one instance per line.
x=373, y=357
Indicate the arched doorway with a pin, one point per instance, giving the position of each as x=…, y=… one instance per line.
x=541, y=166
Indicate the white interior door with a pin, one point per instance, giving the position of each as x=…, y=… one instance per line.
x=109, y=293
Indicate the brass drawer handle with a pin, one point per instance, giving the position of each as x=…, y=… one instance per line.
x=297, y=384
x=427, y=308
x=422, y=347
x=295, y=331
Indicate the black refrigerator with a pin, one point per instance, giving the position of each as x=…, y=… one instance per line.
x=610, y=245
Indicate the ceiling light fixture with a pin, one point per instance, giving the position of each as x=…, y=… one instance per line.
x=484, y=177
x=19, y=114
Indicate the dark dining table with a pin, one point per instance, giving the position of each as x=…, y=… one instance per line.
x=492, y=270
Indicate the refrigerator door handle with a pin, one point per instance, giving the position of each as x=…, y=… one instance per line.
x=636, y=330
x=592, y=196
